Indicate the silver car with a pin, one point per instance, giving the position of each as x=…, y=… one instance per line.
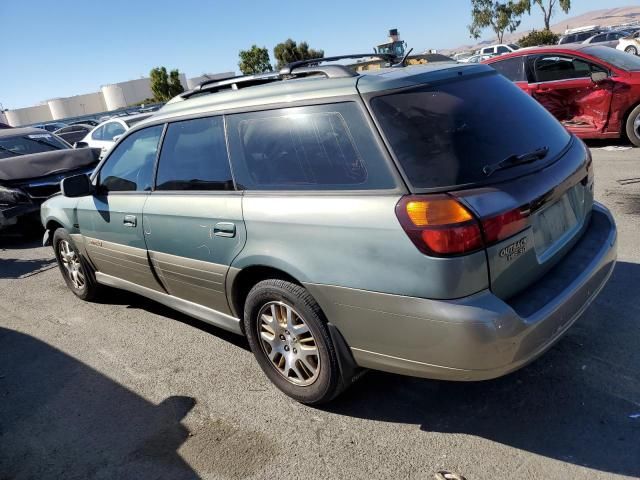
x=396, y=220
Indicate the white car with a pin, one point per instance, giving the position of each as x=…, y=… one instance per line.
x=105, y=135
x=630, y=44
x=498, y=49
x=476, y=58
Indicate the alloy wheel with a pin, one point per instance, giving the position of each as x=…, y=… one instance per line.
x=71, y=263
x=636, y=126
x=287, y=341
x=631, y=50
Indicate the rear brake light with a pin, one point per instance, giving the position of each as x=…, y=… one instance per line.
x=439, y=225
x=504, y=225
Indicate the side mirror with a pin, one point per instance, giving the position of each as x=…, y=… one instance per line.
x=597, y=77
x=80, y=145
x=116, y=138
x=76, y=186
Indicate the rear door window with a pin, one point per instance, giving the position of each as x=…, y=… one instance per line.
x=321, y=147
x=444, y=133
x=194, y=156
x=551, y=68
x=512, y=68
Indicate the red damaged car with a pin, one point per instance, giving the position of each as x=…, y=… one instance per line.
x=593, y=90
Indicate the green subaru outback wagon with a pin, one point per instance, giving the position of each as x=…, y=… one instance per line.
x=428, y=220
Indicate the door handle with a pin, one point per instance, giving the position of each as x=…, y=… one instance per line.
x=130, y=221
x=224, y=229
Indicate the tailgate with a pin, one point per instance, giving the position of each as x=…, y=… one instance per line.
x=557, y=201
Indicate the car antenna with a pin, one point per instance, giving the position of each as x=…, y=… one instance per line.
x=402, y=63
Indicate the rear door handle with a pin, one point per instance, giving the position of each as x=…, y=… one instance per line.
x=130, y=221
x=224, y=229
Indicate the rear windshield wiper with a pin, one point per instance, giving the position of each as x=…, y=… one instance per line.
x=513, y=160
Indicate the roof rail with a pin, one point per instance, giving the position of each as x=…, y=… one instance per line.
x=301, y=68
x=233, y=83
x=287, y=69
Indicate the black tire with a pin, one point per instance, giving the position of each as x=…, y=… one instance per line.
x=90, y=289
x=633, y=126
x=327, y=384
x=631, y=50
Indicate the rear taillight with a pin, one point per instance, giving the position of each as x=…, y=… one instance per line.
x=440, y=225
x=504, y=225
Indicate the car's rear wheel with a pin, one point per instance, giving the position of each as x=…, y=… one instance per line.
x=290, y=339
x=633, y=126
x=75, y=270
x=632, y=50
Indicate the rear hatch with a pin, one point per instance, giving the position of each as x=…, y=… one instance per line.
x=488, y=145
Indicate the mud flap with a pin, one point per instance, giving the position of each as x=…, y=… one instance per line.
x=350, y=371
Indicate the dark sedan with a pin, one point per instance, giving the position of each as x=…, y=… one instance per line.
x=32, y=164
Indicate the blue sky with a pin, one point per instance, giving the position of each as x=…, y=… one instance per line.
x=68, y=47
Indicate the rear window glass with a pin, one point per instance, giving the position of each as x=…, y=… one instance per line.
x=443, y=134
x=512, y=68
x=321, y=147
x=194, y=156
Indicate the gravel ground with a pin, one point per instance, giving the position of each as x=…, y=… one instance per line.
x=129, y=389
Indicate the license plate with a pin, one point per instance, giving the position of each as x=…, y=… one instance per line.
x=555, y=221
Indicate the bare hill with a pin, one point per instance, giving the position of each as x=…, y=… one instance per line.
x=604, y=17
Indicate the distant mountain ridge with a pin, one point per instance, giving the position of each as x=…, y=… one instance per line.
x=604, y=18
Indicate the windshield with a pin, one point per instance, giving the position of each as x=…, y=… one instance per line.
x=443, y=134
x=615, y=57
x=31, y=143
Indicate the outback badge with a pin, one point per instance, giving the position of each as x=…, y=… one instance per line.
x=514, y=250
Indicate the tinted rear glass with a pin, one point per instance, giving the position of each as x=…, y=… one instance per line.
x=443, y=134
x=30, y=143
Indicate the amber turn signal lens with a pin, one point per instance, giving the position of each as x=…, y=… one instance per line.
x=436, y=211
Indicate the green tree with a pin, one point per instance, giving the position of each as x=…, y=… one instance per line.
x=541, y=37
x=175, y=87
x=497, y=15
x=548, y=7
x=289, y=51
x=254, y=60
x=165, y=85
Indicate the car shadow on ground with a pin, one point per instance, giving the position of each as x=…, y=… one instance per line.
x=14, y=268
x=70, y=421
x=134, y=301
x=575, y=404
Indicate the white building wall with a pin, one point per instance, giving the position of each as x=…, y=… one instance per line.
x=3, y=119
x=77, y=105
x=28, y=115
x=120, y=95
x=195, y=81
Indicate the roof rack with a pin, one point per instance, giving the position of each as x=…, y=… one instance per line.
x=288, y=69
x=298, y=69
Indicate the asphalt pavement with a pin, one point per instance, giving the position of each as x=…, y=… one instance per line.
x=129, y=389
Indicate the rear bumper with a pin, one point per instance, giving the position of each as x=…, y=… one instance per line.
x=476, y=337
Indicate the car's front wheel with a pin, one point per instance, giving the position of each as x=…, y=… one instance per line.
x=76, y=272
x=290, y=339
x=632, y=50
x=633, y=126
